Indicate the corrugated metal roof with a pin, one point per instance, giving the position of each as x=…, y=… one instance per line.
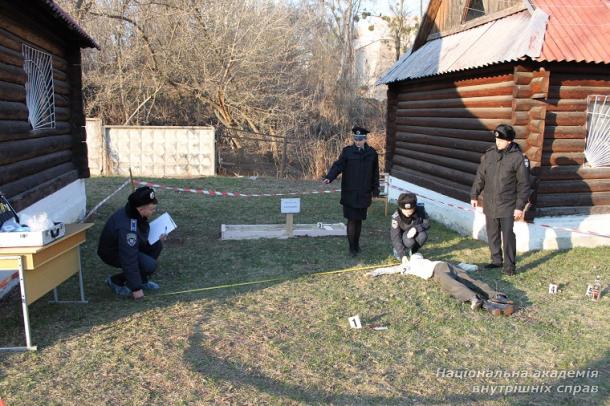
x=578, y=30
x=506, y=39
x=85, y=40
x=557, y=31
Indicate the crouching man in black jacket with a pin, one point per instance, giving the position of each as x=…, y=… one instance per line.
x=124, y=244
x=409, y=225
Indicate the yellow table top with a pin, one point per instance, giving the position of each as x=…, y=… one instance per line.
x=71, y=229
x=48, y=266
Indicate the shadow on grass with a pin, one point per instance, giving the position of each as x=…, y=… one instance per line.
x=560, y=391
x=210, y=366
x=448, y=253
x=529, y=266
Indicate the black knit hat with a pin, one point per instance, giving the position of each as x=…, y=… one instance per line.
x=142, y=196
x=505, y=132
x=407, y=201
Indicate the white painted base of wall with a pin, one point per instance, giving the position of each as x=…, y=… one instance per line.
x=67, y=205
x=461, y=217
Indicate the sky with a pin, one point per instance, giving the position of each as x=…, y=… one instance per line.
x=383, y=6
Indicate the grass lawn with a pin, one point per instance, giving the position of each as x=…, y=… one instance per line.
x=287, y=340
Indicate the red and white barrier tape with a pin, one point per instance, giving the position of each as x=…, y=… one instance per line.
x=231, y=194
x=471, y=209
x=4, y=282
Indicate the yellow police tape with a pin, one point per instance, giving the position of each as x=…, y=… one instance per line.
x=234, y=285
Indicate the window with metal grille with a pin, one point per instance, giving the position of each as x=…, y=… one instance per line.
x=597, y=149
x=39, y=92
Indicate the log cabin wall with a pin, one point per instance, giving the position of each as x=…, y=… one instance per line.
x=529, y=111
x=566, y=186
x=390, y=139
x=444, y=124
x=34, y=164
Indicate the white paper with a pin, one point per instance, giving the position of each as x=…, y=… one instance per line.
x=159, y=226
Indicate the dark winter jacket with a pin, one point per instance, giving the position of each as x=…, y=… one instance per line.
x=123, y=237
x=402, y=224
x=360, y=179
x=503, y=178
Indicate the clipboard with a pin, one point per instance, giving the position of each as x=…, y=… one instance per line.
x=164, y=224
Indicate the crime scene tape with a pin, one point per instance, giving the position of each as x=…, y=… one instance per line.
x=471, y=209
x=216, y=193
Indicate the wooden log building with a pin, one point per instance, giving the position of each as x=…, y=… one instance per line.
x=42, y=124
x=535, y=64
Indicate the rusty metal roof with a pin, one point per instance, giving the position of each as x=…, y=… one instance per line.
x=505, y=39
x=556, y=31
x=64, y=18
x=578, y=30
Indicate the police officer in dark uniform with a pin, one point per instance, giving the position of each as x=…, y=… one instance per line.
x=503, y=179
x=409, y=225
x=124, y=244
x=359, y=164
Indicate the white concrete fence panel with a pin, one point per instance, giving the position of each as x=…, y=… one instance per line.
x=151, y=151
x=95, y=146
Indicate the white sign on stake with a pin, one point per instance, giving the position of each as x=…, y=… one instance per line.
x=553, y=289
x=291, y=206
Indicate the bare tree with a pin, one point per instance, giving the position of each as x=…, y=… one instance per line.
x=402, y=26
x=272, y=68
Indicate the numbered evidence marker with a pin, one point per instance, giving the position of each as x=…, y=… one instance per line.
x=553, y=289
x=354, y=322
x=289, y=207
x=589, y=291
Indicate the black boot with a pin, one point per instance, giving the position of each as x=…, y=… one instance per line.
x=508, y=271
x=357, y=235
x=499, y=308
x=351, y=237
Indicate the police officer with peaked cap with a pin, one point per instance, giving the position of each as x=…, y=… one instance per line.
x=124, y=244
x=359, y=166
x=503, y=180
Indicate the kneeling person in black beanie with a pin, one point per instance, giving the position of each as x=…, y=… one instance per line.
x=409, y=225
x=124, y=244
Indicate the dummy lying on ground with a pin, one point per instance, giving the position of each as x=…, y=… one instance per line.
x=455, y=281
